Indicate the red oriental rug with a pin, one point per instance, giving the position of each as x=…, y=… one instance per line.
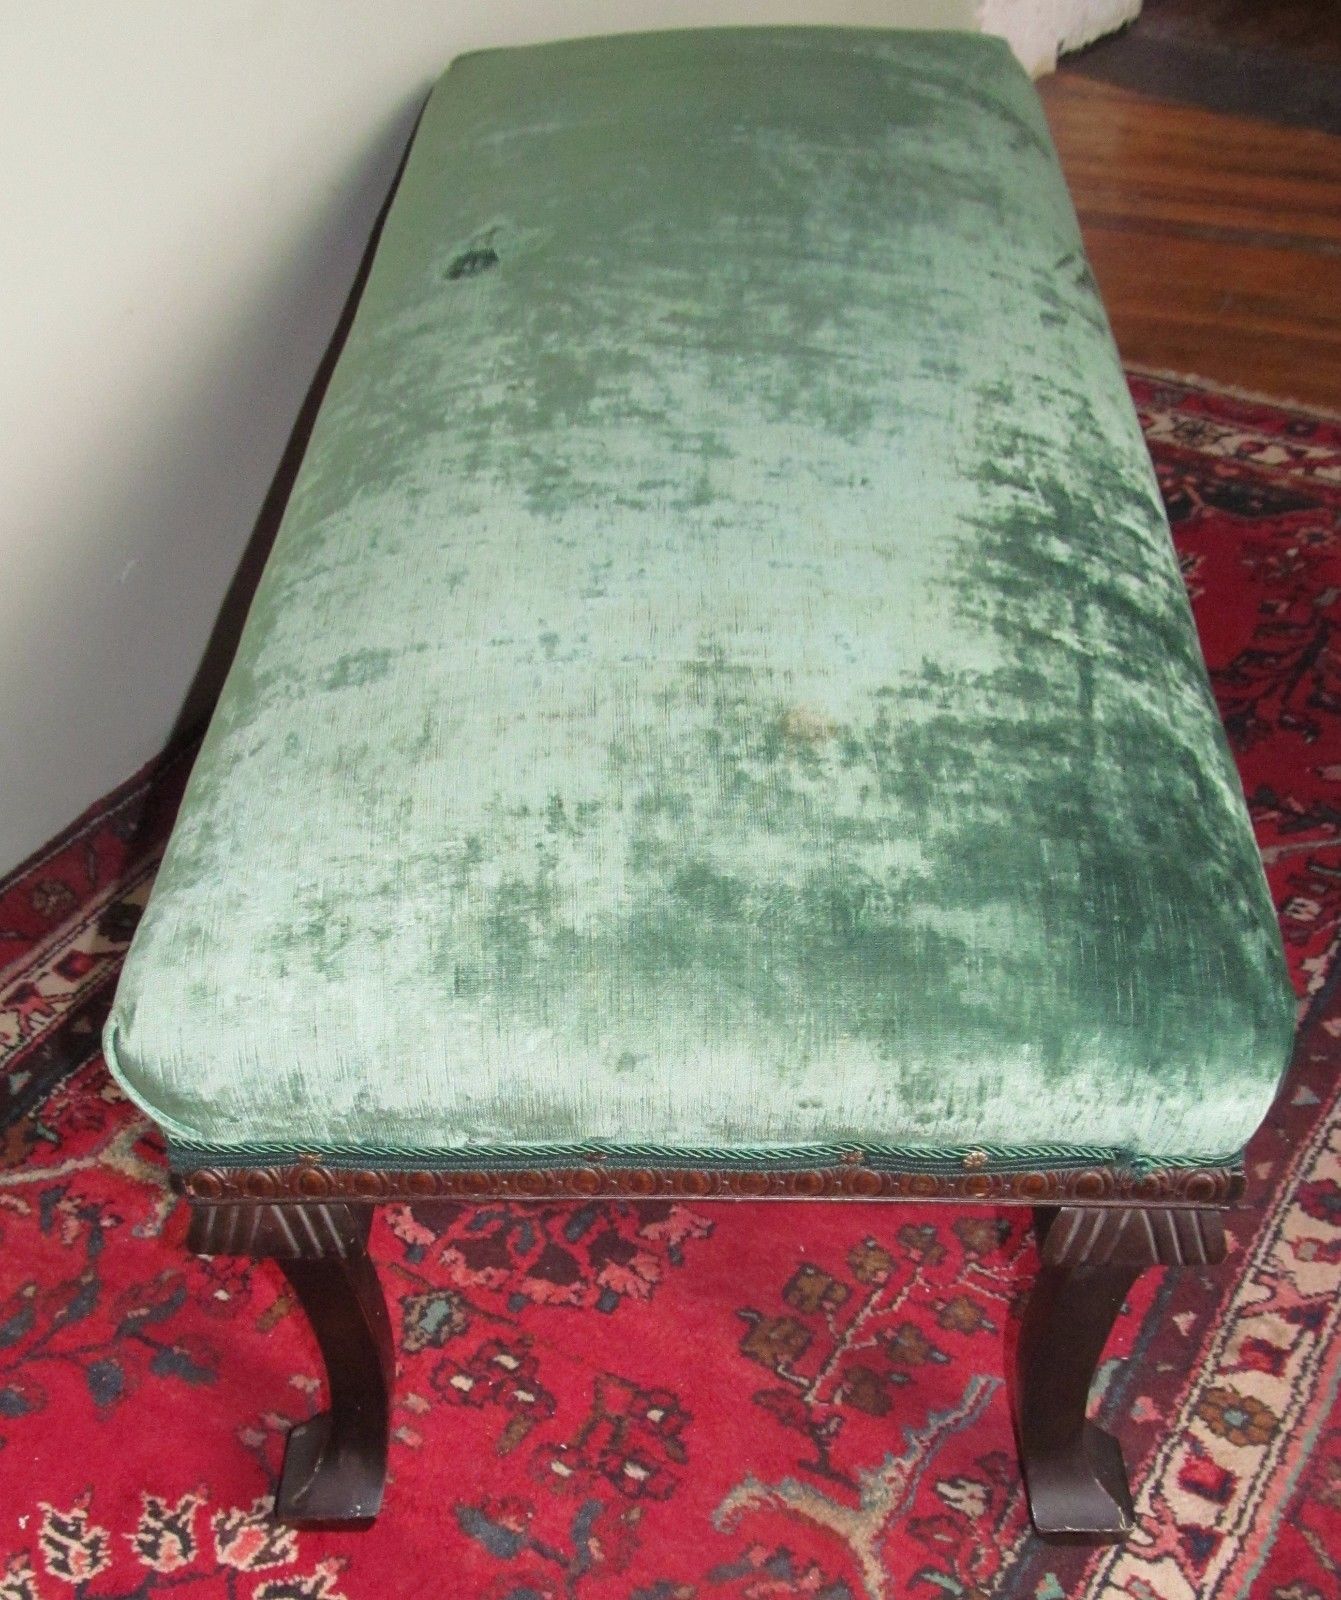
x=676, y=1402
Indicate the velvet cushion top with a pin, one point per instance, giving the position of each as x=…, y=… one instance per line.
x=722, y=688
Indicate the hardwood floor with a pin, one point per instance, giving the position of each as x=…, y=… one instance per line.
x=1216, y=239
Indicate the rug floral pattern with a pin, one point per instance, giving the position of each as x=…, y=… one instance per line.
x=666, y=1402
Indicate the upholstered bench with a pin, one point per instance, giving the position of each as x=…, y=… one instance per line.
x=721, y=718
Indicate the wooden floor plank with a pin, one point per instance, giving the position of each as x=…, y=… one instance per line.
x=1216, y=240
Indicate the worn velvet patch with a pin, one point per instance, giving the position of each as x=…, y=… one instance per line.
x=723, y=683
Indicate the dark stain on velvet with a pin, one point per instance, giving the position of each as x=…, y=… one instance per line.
x=470, y=263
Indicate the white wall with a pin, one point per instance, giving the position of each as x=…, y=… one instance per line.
x=185, y=191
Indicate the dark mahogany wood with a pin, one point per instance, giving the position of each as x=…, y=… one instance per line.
x=335, y=1463
x=851, y=1177
x=1073, y=1470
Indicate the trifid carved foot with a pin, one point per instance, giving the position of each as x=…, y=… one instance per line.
x=1092, y=1256
x=335, y=1463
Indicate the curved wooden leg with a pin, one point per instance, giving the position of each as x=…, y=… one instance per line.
x=1073, y=1470
x=335, y=1463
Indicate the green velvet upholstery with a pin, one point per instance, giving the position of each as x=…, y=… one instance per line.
x=723, y=686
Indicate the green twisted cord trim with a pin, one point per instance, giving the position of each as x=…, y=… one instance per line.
x=887, y=1157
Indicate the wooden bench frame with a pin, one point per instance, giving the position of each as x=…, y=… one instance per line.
x=1098, y=1231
